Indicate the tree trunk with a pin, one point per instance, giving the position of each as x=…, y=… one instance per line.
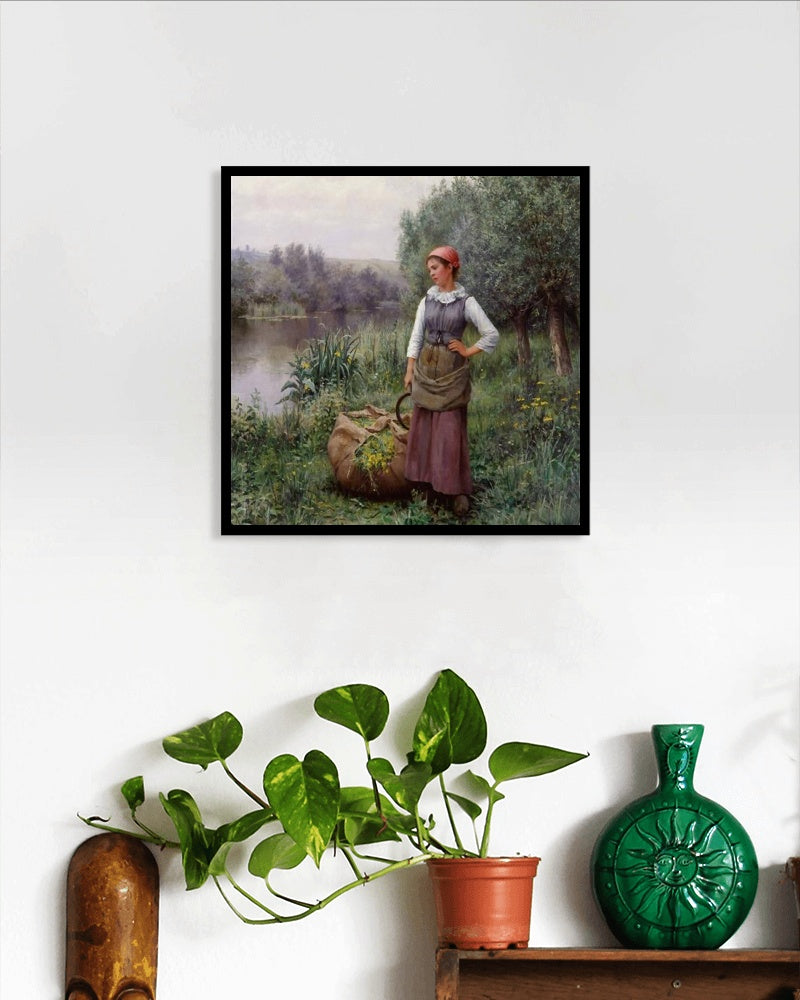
x=520, y=321
x=558, y=339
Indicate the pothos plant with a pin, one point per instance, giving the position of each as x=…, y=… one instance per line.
x=311, y=814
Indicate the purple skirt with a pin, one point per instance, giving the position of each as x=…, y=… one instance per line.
x=437, y=452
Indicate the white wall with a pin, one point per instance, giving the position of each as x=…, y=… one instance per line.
x=127, y=616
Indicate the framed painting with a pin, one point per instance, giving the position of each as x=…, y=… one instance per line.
x=405, y=353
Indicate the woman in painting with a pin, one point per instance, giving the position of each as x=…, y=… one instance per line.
x=438, y=375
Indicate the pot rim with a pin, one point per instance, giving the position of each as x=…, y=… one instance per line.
x=489, y=857
x=501, y=860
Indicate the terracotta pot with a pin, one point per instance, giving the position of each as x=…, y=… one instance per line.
x=483, y=902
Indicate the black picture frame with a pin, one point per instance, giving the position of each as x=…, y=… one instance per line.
x=235, y=522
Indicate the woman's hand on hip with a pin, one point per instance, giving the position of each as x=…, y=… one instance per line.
x=459, y=347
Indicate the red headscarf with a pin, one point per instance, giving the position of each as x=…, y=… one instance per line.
x=450, y=254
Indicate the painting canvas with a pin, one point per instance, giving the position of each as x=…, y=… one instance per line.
x=405, y=353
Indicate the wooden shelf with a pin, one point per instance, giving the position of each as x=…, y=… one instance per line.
x=617, y=974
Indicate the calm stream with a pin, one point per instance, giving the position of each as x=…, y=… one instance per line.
x=262, y=349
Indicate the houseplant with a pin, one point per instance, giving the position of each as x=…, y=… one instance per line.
x=311, y=814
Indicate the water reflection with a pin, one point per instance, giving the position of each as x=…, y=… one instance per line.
x=262, y=349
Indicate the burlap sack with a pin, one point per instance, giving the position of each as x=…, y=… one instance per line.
x=349, y=432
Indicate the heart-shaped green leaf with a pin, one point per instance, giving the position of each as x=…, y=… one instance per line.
x=244, y=827
x=193, y=836
x=361, y=708
x=305, y=797
x=364, y=824
x=480, y=783
x=213, y=740
x=472, y=809
x=224, y=837
x=183, y=801
x=133, y=792
x=482, y=787
x=528, y=760
x=277, y=851
x=204, y=852
x=452, y=726
x=217, y=867
x=401, y=823
x=360, y=820
x=407, y=786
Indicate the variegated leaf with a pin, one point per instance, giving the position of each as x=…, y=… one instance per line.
x=305, y=797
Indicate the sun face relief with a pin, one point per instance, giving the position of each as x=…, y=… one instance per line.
x=674, y=869
x=675, y=866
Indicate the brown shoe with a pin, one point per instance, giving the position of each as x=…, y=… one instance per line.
x=461, y=505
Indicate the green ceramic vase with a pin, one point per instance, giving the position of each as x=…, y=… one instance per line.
x=674, y=869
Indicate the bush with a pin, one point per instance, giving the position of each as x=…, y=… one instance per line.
x=249, y=425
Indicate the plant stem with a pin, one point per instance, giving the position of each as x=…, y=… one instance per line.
x=279, y=918
x=370, y=857
x=447, y=851
x=286, y=899
x=256, y=798
x=375, y=791
x=147, y=830
x=477, y=839
x=351, y=862
x=274, y=917
x=151, y=838
x=459, y=845
x=241, y=916
x=420, y=838
x=487, y=826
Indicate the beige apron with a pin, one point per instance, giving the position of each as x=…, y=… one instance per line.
x=441, y=379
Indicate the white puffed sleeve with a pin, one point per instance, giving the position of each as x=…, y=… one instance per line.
x=417, y=333
x=487, y=330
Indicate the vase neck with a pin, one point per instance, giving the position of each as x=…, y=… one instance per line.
x=676, y=754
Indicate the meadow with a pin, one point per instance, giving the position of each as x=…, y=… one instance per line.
x=523, y=425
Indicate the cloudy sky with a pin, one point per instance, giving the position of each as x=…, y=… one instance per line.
x=345, y=216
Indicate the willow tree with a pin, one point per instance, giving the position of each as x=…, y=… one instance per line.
x=243, y=285
x=524, y=253
x=519, y=239
x=442, y=218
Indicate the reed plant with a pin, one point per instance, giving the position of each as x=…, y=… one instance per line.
x=328, y=362
x=382, y=351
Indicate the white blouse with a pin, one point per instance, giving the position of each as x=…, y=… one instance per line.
x=472, y=311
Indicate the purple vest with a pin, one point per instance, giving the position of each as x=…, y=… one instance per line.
x=445, y=322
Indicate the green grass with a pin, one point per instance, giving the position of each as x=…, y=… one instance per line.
x=523, y=429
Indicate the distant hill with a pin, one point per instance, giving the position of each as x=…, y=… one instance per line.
x=389, y=270
x=386, y=268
